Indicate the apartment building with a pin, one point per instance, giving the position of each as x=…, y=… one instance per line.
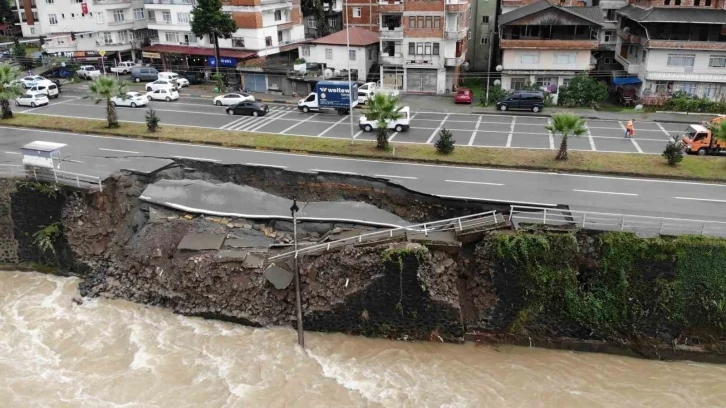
x=482, y=37
x=332, y=19
x=547, y=44
x=674, y=45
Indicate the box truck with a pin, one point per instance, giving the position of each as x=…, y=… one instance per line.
x=331, y=94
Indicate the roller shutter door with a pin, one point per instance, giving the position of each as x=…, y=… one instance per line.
x=255, y=82
x=421, y=80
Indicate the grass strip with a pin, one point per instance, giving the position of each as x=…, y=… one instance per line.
x=625, y=164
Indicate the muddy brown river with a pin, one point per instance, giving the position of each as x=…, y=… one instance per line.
x=111, y=353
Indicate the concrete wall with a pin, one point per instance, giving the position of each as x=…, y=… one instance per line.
x=512, y=60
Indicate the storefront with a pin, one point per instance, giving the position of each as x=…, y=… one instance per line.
x=421, y=80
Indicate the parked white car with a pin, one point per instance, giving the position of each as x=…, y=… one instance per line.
x=132, y=99
x=123, y=67
x=399, y=125
x=163, y=95
x=233, y=98
x=32, y=100
x=160, y=84
x=31, y=81
x=174, y=77
x=45, y=87
x=369, y=89
x=88, y=72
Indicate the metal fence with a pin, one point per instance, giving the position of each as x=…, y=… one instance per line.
x=54, y=176
x=460, y=224
x=614, y=222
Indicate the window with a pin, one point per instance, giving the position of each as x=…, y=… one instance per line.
x=437, y=22
x=610, y=15
x=107, y=38
x=608, y=36
x=63, y=16
x=708, y=3
x=412, y=22
x=332, y=23
x=712, y=90
x=678, y=2
x=518, y=84
x=52, y=19
x=357, y=12
x=123, y=37
x=76, y=1
x=268, y=41
x=436, y=49
x=351, y=55
x=278, y=15
x=22, y=17
x=717, y=61
x=305, y=51
x=182, y=18
x=49, y=1
x=681, y=60
x=312, y=22
x=152, y=16
x=32, y=30
x=329, y=53
x=485, y=19
x=429, y=22
x=606, y=61
x=419, y=48
x=528, y=59
x=566, y=81
x=411, y=48
x=171, y=36
x=73, y=15
x=427, y=48
x=118, y=16
x=420, y=22
x=696, y=2
x=688, y=87
x=667, y=2
x=35, y=16
x=564, y=59
x=238, y=42
x=166, y=16
x=644, y=55
x=139, y=14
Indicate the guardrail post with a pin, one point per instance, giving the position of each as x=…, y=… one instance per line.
x=426, y=232
x=584, y=215
x=703, y=227
x=35, y=176
x=460, y=227
x=55, y=176
x=544, y=217
x=660, y=231
x=78, y=182
x=622, y=224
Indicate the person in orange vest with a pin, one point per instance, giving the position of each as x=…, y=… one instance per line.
x=629, y=129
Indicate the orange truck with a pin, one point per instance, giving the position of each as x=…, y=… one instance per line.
x=699, y=140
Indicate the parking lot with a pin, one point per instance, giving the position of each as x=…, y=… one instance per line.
x=482, y=130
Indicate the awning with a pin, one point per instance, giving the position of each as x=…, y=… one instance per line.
x=209, y=52
x=626, y=80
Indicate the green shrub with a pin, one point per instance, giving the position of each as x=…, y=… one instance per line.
x=152, y=120
x=496, y=94
x=445, y=143
x=582, y=91
x=688, y=103
x=673, y=152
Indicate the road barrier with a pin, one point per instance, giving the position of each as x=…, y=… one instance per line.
x=459, y=225
x=614, y=222
x=52, y=175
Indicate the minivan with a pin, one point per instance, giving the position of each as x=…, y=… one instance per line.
x=525, y=100
x=146, y=74
x=47, y=87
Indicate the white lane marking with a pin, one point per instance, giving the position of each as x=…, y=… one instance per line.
x=473, y=134
x=701, y=199
x=355, y=136
x=118, y=151
x=195, y=158
x=637, y=146
x=72, y=161
x=232, y=123
x=392, y=136
x=332, y=126
x=511, y=130
x=604, y=192
x=267, y=121
x=389, y=176
x=436, y=131
x=299, y=123
x=240, y=125
x=551, y=136
x=622, y=126
x=663, y=129
x=17, y=153
x=333, y=171
x=266, y=165
x=474, y=182
x=159, y=110
x=495, y=200
x=592, y=141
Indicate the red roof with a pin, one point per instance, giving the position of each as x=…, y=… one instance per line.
x=358, y=36
x=183, y=49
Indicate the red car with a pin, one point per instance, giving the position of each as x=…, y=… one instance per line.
x=464, y=95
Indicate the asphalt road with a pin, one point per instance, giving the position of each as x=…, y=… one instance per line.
x=485, y=130
x=99, y=156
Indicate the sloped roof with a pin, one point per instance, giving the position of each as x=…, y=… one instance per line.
x=674, y=15
x=358, y=37
x=592, y=14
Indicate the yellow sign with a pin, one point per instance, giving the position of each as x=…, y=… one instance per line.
x=151, y=55
x=102, y=52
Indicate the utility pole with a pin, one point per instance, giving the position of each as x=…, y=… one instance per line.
x=298, y=304
x=216, y=50
x=350, y=82
x=489, y=64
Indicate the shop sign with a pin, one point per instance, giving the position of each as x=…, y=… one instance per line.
x=224, y=62
x=152, y=55
x=419, y=63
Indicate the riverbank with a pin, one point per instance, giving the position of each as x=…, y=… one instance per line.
x=622, y=164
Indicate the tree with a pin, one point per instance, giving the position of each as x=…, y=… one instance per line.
x=8, y=89
x=673, y=151
x=582, y=91
x=566, y=124
x=496, y=94
x=209, y=19
x=383, y=108
x=19, y=50
x=316, y=9
x=7, y=15
x=152, y=120
x=445, y=143
x=718, y=129
x=104, y=88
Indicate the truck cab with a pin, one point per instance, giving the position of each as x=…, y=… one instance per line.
x=699, y=140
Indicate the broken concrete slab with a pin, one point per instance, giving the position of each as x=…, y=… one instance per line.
x=156, y=215
x=231, y=256
x=433, y=238
x=253, y=261
x=278, y=277
x=201, y=242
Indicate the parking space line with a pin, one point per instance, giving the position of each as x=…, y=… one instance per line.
x=299, y=123
x=17, y=153
x=277, y=115
x=592, y=141
x=117, y=151
x=474, y=182
x=355, y=136
x=243, y=123
x=604, y=192
x=551, y=136
x=637, y=146
x=333, y=125
x=663, y=129
x=433, y=135
x=473, y=134
x=234, y=123
x=511, y=130
x=622, y=126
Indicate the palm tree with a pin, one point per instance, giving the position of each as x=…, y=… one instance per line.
x=718, y=129
x=8, y=89
x=104, y=88
x=383, y=108
x=566, y=124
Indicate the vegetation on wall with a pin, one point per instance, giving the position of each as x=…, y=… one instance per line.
x=657, y=287
x=46, y=238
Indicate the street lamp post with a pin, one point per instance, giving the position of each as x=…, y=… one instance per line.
x=350, y=82
x=298, y=304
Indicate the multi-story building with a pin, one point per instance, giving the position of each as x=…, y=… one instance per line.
x=482, y=28
x=605, y=55
x=27, y=17
x=364, y=13
x=674, y=45
x=332, y=19
x=548, y=45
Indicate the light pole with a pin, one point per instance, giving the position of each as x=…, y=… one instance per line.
x=489, y=65
x=298, y=304
x=350, y=82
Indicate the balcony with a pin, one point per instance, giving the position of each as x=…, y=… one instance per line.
x=102, y=2
x=388, y=34
x=455, y=34
x=454, y=62
x=687, y=45
x=388, y=6
x=275, y=4
x=284, y=25
x=549, y=44
x=386, y=59
x=457, y=6
x=120, y=23
x=629, y=38
x=631, y=67
x=53, y=45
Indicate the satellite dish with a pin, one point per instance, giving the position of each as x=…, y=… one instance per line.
x=499, y=68
x=328, y=73
x=465, y=66
x=497, y=82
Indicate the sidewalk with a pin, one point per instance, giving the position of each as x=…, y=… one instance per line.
x=586, y=113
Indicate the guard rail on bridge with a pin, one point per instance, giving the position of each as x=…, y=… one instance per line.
x=466, y=224
x=614, y=222
x=54, y=176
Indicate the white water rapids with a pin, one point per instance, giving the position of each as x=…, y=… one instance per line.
x=111, y=353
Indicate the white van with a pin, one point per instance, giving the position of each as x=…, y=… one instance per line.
x=174, y=77
x=399, y=125
x=48, y=88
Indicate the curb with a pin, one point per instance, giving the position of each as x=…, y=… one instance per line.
x=593, y=117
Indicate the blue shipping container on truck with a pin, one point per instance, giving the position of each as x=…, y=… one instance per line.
x=336, y=94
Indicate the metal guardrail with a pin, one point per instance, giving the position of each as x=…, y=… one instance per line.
x=615, y=222
x=55, y=176
x=14, y=170
x=469, y=222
